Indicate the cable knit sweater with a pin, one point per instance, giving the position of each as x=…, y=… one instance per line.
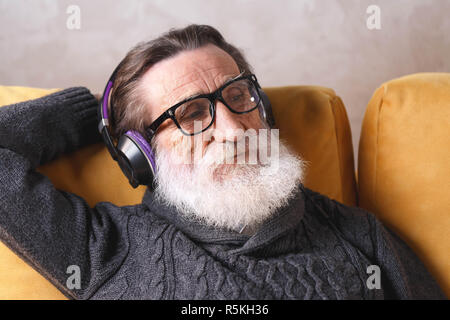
x=313, y=248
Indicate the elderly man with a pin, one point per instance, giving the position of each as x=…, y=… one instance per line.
x=208, y=227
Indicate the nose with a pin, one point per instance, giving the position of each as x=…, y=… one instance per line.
x=227, y=122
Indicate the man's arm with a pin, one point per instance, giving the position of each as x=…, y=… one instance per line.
x=403, y=275
x=52, y=229
x=406, y=275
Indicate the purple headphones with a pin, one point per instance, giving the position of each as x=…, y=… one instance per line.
x=133, y=151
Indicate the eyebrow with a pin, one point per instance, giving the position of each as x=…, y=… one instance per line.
x=228, y=80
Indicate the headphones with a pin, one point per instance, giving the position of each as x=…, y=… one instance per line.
x=133, y=151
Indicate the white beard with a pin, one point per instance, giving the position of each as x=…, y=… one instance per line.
x=228, y=196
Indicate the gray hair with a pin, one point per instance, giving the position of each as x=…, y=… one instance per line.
x=130, y=111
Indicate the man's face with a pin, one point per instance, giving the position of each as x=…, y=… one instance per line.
x=199, y=71
x=222, y=193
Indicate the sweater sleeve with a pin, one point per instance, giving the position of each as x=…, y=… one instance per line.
x=403, y=275
x=74, y=246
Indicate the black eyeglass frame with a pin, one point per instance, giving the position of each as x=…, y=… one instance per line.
x=212, y=97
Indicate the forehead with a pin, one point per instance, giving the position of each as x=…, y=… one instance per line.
x=201, y=70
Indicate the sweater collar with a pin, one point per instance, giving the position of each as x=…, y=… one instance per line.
x=280, y=223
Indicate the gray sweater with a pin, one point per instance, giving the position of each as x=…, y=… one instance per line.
x=313, y=248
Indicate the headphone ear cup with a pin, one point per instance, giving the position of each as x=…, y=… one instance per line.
x=265, y=109
x=136, y=159
x=126, y=168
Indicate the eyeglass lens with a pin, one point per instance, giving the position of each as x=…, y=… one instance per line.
x=241, y=96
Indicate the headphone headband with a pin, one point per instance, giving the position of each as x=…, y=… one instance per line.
x=106, y=98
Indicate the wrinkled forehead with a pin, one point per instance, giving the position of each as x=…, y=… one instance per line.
x=186, y=74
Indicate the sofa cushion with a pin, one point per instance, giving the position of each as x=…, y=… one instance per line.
x=403, y=169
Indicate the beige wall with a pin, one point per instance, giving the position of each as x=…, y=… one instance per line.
x=296, y=42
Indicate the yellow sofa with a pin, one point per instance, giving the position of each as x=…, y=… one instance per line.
x=404, y=165
x=311, y=119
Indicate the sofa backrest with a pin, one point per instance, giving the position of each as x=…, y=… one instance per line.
x=404, y=165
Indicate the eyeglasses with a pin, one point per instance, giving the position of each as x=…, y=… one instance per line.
x=240, y=95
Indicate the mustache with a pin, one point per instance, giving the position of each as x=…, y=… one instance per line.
x=236, y=149
x=241, y=150
x=228, y=152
